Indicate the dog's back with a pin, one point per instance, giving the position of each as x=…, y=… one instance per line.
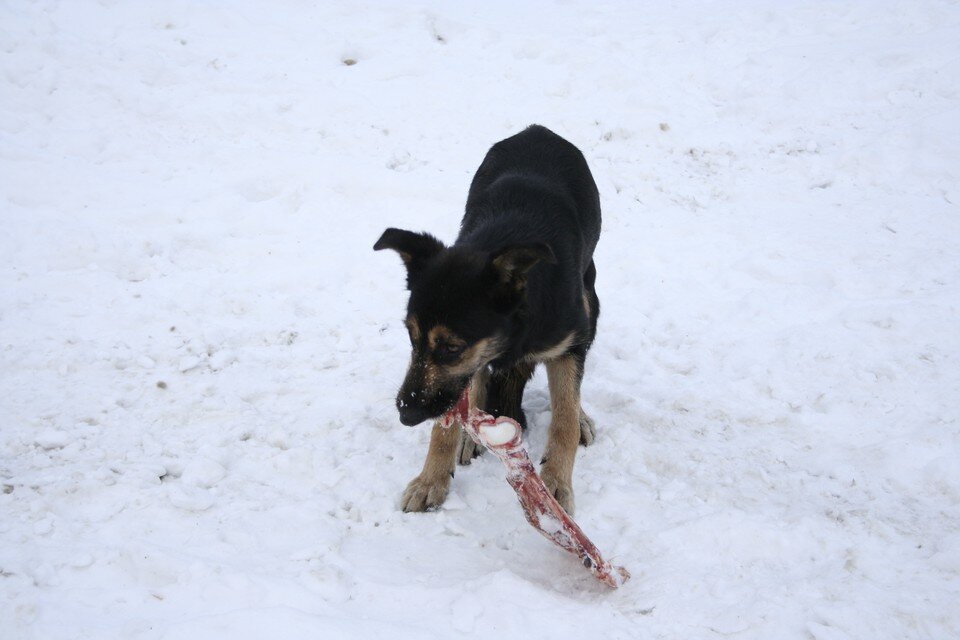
x=536, y=186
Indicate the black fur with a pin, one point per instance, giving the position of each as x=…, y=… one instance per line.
x=519, y=273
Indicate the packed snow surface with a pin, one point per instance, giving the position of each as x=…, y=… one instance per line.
x=199, y=349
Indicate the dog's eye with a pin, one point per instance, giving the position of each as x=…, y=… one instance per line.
x=449, y=350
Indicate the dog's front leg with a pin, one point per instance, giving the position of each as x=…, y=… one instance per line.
x=563, y=375
x=429, y=489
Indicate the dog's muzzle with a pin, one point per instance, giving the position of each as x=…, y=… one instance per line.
x=411, y=412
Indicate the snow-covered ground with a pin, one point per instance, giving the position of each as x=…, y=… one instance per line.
x=199, y=349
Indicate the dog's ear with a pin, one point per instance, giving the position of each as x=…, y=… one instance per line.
x=512, y=263
x=414, y=248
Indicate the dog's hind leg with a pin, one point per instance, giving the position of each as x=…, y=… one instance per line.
x=503, y=397
x=588, y=430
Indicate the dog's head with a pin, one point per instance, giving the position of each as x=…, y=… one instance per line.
x=460, y=315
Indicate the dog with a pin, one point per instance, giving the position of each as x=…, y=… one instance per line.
x=515, y=290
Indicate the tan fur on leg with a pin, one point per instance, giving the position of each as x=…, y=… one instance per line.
x=563, y=375
x=588, y=430
x=429, y=489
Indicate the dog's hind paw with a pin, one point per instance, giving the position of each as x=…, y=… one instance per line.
x=425, y=494
x=468, y=449
x=588, y=430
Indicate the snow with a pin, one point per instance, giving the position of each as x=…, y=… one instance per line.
x=549, y=524
x=199, y=349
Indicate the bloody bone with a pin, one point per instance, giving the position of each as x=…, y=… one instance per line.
x=503, y=436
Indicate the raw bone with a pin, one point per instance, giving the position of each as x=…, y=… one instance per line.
x=504, y=437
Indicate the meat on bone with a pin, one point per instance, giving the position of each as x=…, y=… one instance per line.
x=504, y=437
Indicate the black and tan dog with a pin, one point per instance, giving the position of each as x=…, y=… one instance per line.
x=516, y=289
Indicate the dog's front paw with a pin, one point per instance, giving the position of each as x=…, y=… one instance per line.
x=559, y=487
x=424, y=494
x=468, y=449
x=588, y=431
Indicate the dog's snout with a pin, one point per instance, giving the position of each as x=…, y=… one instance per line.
x=422, y=397
x=413, y=416
x=412, y=409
